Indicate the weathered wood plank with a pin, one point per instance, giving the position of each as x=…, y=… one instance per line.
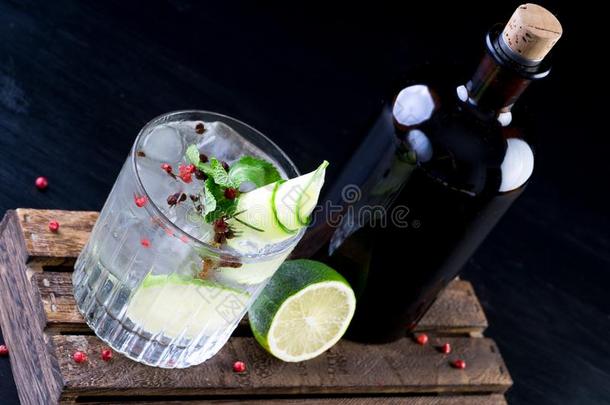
x=57, y=298
x=347, y=368
x=48, y=248
x=456, y=311
x=493, y=399
x=34, y=365
x=44, y=301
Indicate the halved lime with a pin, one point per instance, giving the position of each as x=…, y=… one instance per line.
x=303, y=311
x=176, y=305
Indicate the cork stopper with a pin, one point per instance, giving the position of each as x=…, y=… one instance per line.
x=531, y=32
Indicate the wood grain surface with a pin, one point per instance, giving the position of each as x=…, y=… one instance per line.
x=40, y=316
x=456, y=311
x=347, y=368
x=35, y=367
x=47, y=248
x=493, y=399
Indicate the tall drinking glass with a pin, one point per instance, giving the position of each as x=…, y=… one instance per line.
x=149, y=282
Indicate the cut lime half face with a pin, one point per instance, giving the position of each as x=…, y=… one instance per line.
x=303, y=311
x=311, y=321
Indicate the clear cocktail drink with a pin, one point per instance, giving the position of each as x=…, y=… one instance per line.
x=157, y=281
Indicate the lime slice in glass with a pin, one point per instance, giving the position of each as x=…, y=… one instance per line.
x=175, y=305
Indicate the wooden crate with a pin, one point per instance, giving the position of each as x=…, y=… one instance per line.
x=42, y=328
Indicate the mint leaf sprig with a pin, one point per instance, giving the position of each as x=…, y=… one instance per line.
x=210, y=193
x=192, y=155
x=247, y=169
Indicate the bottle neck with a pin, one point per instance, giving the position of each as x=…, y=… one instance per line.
x=501, y=78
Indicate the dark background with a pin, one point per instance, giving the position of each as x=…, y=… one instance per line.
x=79, y=79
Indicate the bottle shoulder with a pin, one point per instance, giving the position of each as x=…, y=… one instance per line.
x=455, y=144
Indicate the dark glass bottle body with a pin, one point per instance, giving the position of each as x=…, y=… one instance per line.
x=436, y=172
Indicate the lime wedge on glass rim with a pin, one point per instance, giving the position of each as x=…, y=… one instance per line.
x=294, y=200
x=277, y=211
x=303, y=311
x=272, y=214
